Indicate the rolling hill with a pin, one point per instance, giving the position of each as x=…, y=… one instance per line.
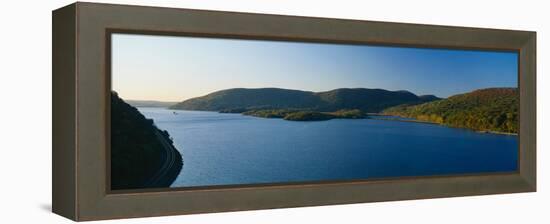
x=242, y=99
x=493, y=109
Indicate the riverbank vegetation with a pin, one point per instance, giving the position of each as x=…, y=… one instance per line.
x=486, y=110
x=306, y=115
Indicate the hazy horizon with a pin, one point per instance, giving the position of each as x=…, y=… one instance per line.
x=173, y=69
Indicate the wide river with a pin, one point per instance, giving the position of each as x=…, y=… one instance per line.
x=229, y=149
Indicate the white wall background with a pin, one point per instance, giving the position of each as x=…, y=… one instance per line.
x=25, y=93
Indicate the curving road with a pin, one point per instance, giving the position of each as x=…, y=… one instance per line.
x=170, y=158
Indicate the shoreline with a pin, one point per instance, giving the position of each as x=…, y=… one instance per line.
x=404, y=120
x=172, y=166
x=429, y=122
x=498, y=133
x=153, y=163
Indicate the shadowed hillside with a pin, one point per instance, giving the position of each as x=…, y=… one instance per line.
x=240, y=100
x=139, y=150
x=494, y=109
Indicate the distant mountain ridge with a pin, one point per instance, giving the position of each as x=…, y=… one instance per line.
x=149, y=103
x=367, y=100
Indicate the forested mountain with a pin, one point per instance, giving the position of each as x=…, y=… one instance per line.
x=241, y=99
x=493, y=109
x=428, y=98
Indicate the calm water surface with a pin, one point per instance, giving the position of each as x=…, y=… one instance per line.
x=227, y=149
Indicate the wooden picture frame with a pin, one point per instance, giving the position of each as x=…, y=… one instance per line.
x=81, y=87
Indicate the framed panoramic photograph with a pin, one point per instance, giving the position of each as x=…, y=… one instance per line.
x=202, y=111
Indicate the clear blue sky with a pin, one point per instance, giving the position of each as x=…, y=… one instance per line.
x=168, y=68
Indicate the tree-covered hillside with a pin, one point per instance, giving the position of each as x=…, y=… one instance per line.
x=305, y=115
x=250, y=98
x=494, y=109
x=367, y=100
x=241, y=100
x=137, y=149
